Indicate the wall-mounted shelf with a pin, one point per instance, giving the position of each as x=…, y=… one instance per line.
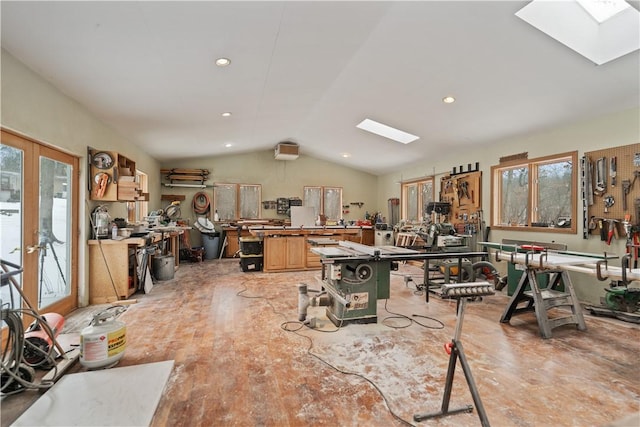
x=189, y=185
x=195, y=178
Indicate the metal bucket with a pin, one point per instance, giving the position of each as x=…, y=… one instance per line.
x=163, y=267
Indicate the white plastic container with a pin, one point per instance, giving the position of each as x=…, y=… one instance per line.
x=103, y=343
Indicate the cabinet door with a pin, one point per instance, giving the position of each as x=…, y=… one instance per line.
x=368, y=237
x=296, y=252
x=275, y=250
x=116, y=256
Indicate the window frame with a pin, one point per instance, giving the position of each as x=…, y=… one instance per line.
x=419, y=183
x=533, y=166
x=238, y=207
x=321, y=193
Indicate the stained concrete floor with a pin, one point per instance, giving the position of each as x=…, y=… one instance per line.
x=241, y=359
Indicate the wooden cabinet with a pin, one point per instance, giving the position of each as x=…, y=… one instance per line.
x=366, y=236
x=313, y=259
x=296, y=252
x=113, y=177
x=284, y=253
x=119, y=263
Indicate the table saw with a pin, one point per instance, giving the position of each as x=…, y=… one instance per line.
x=355, y=276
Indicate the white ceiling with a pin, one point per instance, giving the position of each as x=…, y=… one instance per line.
x=309, y=72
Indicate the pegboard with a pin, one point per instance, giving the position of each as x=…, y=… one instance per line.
x=619, y=169
x=463, y=192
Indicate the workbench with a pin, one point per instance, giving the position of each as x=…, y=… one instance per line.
x=117, y=259
x=289, y=248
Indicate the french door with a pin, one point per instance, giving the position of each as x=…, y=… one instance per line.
x=39, y=224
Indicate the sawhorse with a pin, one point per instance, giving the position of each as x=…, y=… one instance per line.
x=543, y=299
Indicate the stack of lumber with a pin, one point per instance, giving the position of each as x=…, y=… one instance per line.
x=185, y=175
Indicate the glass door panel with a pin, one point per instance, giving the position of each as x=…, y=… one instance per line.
x=38, y=223
x=54, y=232
x=11, y=208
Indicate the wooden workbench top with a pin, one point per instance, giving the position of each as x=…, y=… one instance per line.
x=156, y=236
x=303, y=231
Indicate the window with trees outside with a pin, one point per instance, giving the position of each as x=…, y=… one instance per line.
x=535, y=194
x=415, y=196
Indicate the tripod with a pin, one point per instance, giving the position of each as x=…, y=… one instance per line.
x=462, y=292
x=46, y=241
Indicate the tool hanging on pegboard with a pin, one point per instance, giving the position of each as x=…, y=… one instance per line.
x=601, y=176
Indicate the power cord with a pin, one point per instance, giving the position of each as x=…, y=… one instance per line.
x=13, y=360
x=440, y=325
x=285, y=326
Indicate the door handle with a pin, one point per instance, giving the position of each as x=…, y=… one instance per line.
x=32, y=249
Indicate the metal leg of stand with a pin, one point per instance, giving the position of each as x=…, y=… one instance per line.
x=457, y=351
x=426, y=280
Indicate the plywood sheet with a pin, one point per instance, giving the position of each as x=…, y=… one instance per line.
x=125, y=396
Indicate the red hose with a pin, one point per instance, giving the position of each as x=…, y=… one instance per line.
x=201, y=203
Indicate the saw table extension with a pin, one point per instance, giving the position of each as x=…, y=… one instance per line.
x=556, y=265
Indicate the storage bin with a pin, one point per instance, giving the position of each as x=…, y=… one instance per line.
x=211, y=243
x=250, y=262
x=251, y=245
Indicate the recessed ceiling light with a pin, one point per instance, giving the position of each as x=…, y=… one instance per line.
x=228, y=145
x=346, y=155
x=386, y=131
x=226, y=114
x=448, y=100
x=223, y=62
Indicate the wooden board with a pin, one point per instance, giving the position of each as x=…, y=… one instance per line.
x=463, y=192
x=185, y=171
x=628, y=166
x=109, y=397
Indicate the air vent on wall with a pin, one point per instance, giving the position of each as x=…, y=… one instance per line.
x=286, y=151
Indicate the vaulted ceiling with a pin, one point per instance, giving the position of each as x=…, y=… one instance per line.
x=309, y=72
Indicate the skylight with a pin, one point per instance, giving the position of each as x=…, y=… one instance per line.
x=602, y=10
x=386, y=131
x=600, y=30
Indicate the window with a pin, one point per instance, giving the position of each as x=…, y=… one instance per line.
x=415, y=196
x=136, y=211
x=324, y=200
x=231, y=199
x=539, y=194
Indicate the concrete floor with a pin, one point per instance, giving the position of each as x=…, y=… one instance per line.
x=242, y=360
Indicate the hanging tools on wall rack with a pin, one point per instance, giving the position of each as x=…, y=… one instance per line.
x=601, y=176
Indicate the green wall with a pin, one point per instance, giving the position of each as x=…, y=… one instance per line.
x=609, y=131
